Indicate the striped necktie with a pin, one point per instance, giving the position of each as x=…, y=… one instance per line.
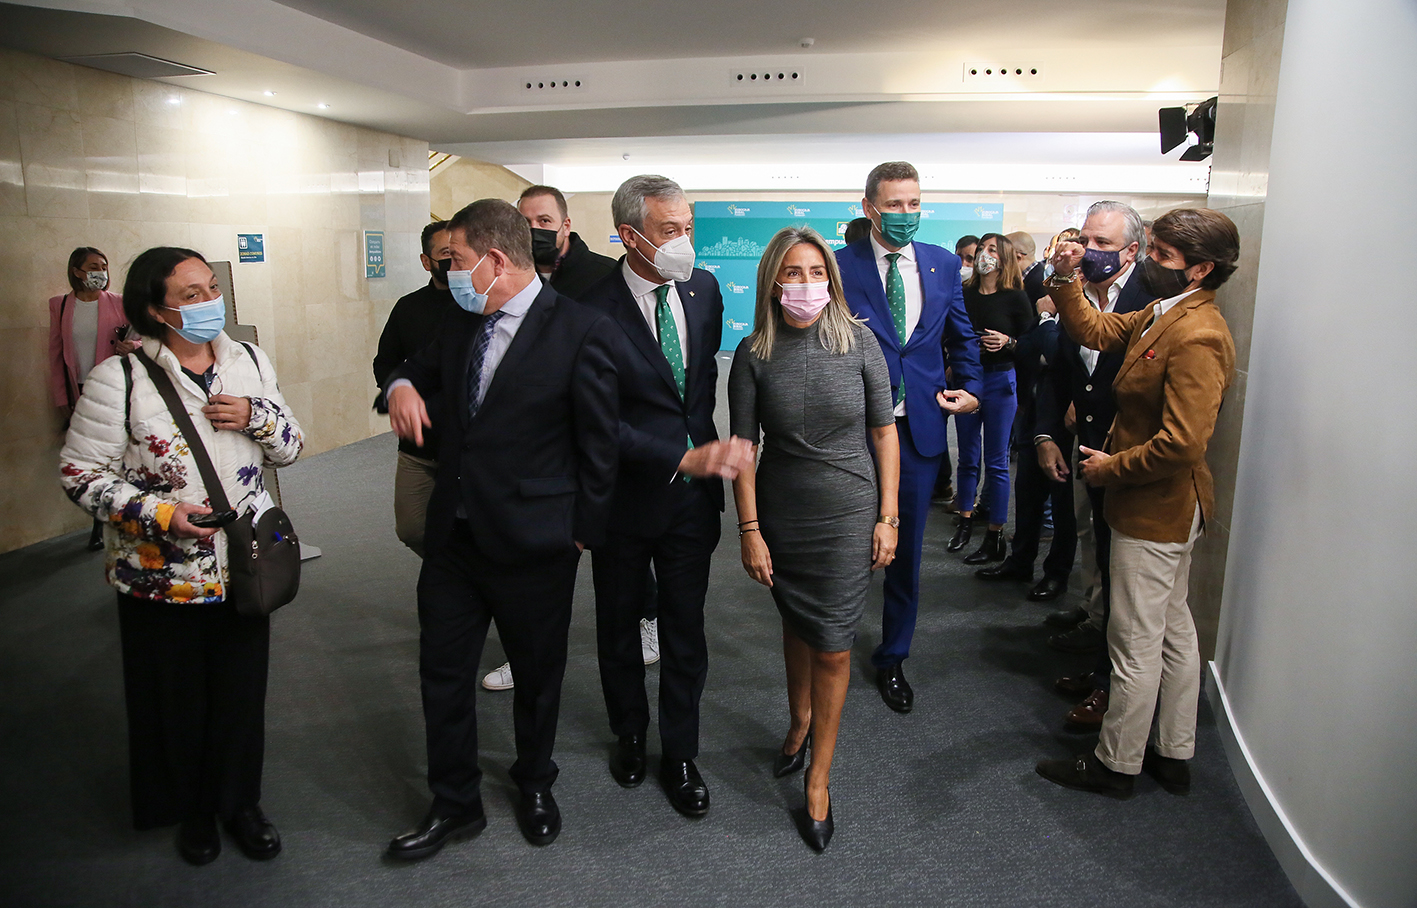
x=475, y=389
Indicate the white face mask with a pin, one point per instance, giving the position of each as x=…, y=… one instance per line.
x=674, y=260
x=95, y=280
x=986, y=263
x=966, y=272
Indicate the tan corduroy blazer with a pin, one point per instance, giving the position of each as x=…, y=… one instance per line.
x=1168, y=394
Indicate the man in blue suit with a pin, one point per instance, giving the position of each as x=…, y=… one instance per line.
x=909, y=295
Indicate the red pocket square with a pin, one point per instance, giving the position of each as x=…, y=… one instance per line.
x=1150, y=354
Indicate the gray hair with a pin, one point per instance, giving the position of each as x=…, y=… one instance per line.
x=1135, y=232
x=628, y=206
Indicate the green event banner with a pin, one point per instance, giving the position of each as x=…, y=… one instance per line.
x=730, y=238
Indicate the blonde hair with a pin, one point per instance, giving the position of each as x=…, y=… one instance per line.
x=836, y=327
x=1010, y=275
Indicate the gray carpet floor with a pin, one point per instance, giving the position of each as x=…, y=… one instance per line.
x=939, y=807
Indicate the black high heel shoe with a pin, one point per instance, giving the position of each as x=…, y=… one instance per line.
x=994, y=548
x=816, y=833
x=786, y=764
x=964, y=528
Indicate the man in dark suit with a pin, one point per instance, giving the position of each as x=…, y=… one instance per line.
x=909, y=295
x=669, y=495
x=525, y=472
x=565, y=262
x=1079, y=380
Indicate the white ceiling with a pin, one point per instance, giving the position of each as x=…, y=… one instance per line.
x=659, y=80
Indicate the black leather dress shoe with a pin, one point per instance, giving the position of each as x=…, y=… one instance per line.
x=1084, y=639
x=539, y=817
x=1086, y=773
x=1076, y=685
x=1067, y=619
x=895, y=690
x=1008, y=569
x=255, y=835
x=685, y=787
x=816, y=833
x=435, y=831
x=786, y=764
x=1048, y=589
x=198, y=841
x=1170, y=773
x=627, y=762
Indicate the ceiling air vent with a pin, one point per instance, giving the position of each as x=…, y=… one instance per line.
x=139, y=66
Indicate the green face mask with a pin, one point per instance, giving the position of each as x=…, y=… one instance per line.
x=898, y=227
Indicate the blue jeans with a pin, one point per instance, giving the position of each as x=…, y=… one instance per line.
x=995, y=417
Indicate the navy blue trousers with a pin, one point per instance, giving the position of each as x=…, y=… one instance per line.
x=995, y=417
x=902, y=587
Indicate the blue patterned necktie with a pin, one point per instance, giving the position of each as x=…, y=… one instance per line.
x=479, y=355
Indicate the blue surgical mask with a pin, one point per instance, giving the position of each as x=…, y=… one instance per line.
x=201, y=322
x=1100, y=264
x=464, y=294
x=898, y=227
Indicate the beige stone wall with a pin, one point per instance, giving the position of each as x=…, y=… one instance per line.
x=465, y=180
x=1239, y=176
x=88, y=158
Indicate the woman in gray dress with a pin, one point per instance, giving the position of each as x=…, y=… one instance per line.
x=819, y=512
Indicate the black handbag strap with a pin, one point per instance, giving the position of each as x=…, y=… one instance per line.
x=215, y=493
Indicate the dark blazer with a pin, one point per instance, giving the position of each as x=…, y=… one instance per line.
x=535, y=467
x=580, y=269
x=1036, y=348
x=944, y=335
x=1066, y=380
x=655, y=424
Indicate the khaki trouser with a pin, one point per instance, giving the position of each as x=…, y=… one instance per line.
x=1156, y=666
x=413, y=486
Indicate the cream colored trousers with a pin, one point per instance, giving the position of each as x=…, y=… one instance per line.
x=1156, y=666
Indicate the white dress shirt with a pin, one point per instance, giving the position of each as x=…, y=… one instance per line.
x=1114, y=290
x=1162, y=307
x=643, y=292
x=914, y=295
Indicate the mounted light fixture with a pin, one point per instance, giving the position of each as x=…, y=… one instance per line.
x=1196, y=126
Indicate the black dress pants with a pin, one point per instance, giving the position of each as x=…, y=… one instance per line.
x=681, y=557
x=1102, y=536
x=194, y=678
x=1032, y=489
x=460, y=592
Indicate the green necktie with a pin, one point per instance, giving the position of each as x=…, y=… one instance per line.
x=669, y=340
x=895, y=295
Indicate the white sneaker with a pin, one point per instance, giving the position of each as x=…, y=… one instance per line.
x=649, y=641
x=500, y=678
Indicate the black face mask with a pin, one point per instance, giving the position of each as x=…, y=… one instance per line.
x=441, y=268
x=1163, y=282
x=544, y=247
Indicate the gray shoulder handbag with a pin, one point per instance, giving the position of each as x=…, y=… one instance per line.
x=264, y=558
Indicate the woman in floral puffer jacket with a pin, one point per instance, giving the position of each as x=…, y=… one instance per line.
x=194, y=670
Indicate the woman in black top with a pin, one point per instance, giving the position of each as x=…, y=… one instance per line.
x=1000, y=311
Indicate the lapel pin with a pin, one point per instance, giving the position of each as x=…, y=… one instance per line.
x=932, y=270
x=691, y=293
x=1150, y=354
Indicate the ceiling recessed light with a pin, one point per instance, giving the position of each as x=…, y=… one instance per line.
x=269, y=94
x=174, y=100
x=323, y=106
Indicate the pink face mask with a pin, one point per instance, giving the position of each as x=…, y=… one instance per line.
x=804, y=302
